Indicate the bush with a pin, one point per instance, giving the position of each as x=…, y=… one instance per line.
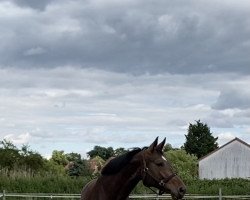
x=185, y=165
x=211, y=187
x=42, y=184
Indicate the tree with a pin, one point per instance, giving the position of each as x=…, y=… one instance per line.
x=104, y=153
x=15, y=159
x=7, y=145
x=51, y=167
x=120, y=151
x=9, y=155
x=168, y=147
x=95, y=164
x=77, y=166
x=59, y=157
x=34, y=161
x=185, y=165
x=73, y=157
x=199, y=140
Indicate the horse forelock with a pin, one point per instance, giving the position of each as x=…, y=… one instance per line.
x=118, y=163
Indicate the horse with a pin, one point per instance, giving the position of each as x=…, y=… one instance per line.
x=121, y=174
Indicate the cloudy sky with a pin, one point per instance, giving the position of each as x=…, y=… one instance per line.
x=80, y=73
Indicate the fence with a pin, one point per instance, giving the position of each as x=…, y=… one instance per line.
x=7, y=196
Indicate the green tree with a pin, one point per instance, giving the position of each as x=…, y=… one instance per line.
x=9, y=155
x=120, y=151
x=168, y=147
x=199, y=140
x=104, y=153
x=73, y=157
x=53, y=168
x=25, y=150
x=31, y=160
x=7, y=145
x=77, y=166
x=185, y=165
x=59, y=157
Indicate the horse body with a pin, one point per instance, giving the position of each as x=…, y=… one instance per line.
x=115, y=187
x=120, y=175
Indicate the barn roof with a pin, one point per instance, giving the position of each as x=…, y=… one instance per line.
x=235, y=139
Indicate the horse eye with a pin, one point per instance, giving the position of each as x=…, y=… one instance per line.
x=160, y=164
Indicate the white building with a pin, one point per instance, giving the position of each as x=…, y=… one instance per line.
x=231, y=160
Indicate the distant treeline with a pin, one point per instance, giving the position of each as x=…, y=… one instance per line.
x=24, y=162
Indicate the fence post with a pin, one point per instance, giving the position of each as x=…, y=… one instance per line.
x=157, y=196
x=4, y=198
x=220, y=194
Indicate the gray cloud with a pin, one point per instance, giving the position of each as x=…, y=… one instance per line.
x=88, y=106
x=102, y=70
x=82, y=98
x=40, y=5
x=133, y=37
x=233, y=98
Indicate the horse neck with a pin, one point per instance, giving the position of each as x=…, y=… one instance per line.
x=131, y=176
x=125, y=181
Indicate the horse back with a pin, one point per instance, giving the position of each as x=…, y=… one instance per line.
x=94, y=191
x=88, y=192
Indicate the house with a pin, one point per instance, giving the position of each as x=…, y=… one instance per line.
x=231, y=160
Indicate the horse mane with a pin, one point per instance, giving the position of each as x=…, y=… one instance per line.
x=117, y=163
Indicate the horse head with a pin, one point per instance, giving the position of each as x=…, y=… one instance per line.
x=157, y=171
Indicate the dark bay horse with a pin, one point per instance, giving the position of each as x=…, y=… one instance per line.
x=121, y=174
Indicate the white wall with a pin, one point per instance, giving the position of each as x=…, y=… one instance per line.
x=231, y=161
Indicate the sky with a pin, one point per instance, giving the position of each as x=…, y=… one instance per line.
x=80, y=73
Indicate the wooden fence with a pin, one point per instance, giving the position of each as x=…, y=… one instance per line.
x=5, y=196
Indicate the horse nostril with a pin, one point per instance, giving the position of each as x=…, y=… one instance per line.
x=182, y=190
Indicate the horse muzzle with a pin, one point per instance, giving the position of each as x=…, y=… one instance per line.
x=179, y=193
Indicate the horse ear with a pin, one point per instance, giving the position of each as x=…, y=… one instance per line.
x=153, y=145
x=161, y=145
